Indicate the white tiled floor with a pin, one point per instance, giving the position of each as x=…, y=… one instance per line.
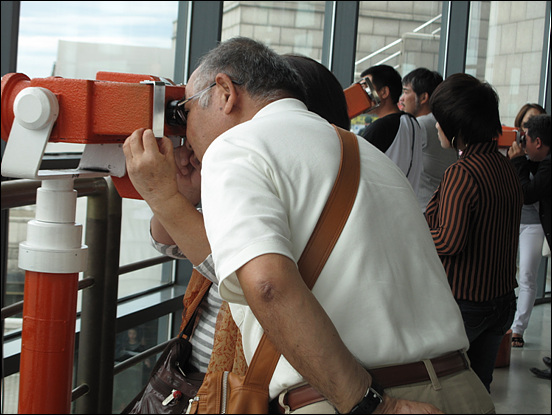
x=515, y=390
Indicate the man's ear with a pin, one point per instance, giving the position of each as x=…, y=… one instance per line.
x=423, y=98
x=384, y=92
x=227, y=91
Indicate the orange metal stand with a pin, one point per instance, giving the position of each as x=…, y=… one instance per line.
x=48, y=340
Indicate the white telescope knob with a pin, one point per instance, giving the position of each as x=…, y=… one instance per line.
x=34, y=108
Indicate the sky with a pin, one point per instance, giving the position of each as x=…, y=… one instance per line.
x=44, y=23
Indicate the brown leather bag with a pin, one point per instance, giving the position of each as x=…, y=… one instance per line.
x=227, y=392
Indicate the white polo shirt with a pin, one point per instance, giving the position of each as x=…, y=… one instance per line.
x=264, y=185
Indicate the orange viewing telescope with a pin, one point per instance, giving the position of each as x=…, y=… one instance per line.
x=100, y=113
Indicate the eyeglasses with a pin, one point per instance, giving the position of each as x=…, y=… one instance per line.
x=179, y=113
x=176, y=110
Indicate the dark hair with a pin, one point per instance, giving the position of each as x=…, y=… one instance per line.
x=524, y=110
x=324, y=92
x=385, y=75
x=263, y=73
x=423, y=80
x=539, y=126
x=464, y=106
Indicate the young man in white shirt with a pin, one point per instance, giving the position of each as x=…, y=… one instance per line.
x=418, y=86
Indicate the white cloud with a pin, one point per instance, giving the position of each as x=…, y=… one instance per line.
x=44, y=23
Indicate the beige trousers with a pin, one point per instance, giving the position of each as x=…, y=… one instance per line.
x=459, y=393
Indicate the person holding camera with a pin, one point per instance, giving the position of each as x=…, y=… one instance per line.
x=474, y=216
x=534, y=170
x=534, y=173
x=531, y=238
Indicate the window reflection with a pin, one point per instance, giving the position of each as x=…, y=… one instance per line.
x=130, y=343
x=76, y=39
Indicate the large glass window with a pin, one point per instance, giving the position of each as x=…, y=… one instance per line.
x=75, y=39
x=505, y=45
x=286, y=26
x=401, y=34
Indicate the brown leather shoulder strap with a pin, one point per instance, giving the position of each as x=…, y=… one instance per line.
x=335, y=213
x=318, y=249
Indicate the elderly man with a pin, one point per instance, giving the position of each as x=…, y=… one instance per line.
x=382, y=300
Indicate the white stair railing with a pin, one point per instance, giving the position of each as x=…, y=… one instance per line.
x=397, y=42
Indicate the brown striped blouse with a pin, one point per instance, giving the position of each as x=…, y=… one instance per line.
x=474, y=218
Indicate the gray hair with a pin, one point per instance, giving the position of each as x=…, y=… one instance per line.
x=263, y=73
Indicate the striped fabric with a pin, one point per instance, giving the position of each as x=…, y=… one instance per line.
x=204, y=332
x=474, y=219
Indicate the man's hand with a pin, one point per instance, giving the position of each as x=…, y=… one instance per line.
x=402, y=406
x=188, y=176
x=151, y=166
x=515, y=151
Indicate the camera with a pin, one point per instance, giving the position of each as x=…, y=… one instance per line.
x=521, y=138
x=361, y=97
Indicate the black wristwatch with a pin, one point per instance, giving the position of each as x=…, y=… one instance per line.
x=371, y=400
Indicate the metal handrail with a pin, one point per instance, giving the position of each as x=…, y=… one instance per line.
x=93, y=393
x=22, y=192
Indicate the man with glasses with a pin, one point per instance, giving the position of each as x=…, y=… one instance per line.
x=267, y=167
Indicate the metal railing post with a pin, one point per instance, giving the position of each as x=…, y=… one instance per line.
x=90, y=338
x=113, y=247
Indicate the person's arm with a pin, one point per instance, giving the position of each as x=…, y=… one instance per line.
x=537, y=187
x=188, y=178
x=159, y=233
x=153, y=171
x=448, y=217
x=300, y=329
